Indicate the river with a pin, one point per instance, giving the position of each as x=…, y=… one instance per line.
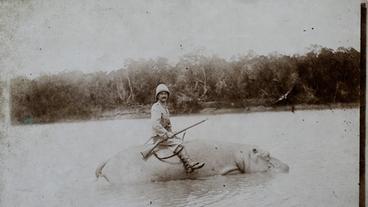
x=53, y=164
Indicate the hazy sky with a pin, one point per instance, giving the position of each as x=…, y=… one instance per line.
x=48, y=36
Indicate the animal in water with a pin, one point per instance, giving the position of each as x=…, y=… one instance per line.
x=221, y=158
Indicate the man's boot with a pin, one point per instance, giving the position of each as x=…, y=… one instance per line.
x=189, y=165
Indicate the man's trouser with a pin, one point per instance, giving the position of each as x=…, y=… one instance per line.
x=175, y=145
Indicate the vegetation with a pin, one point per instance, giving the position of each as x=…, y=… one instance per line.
x=321, y=76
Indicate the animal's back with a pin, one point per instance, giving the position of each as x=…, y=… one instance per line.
x=128, y=166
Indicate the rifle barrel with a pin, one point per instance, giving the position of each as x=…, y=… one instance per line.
x=185, y=129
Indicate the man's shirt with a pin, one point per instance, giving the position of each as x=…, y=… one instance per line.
x=160, y=118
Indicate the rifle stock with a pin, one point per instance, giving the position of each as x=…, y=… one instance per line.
x=148, y=152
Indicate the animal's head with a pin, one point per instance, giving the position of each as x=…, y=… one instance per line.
x=258, y=160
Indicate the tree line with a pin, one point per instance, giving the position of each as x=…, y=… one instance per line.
x=321, y=76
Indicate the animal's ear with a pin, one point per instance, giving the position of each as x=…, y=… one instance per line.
x=254, y=150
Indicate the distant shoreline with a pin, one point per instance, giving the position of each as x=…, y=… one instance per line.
x=143, y=111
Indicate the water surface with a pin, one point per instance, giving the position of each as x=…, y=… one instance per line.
x=54, y=164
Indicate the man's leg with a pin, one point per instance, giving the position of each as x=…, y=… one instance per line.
x=188, y=163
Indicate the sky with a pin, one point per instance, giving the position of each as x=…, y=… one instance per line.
x=50, y=36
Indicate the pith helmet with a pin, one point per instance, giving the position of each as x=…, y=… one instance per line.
x=162, y=88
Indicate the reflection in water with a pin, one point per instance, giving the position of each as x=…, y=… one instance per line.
x=203, y=192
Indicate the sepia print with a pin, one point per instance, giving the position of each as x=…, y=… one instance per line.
x=179, y=103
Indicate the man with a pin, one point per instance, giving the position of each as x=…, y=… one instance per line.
x=161, y=129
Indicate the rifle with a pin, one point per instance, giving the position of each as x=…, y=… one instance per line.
x=148, y=152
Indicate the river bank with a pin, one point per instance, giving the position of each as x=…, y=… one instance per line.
x=144, y=111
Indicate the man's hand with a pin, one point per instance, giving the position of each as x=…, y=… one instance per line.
x=170, y=134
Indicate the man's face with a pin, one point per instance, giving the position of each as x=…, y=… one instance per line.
x=163, y=96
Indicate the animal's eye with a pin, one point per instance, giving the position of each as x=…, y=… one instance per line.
x=254, y=150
